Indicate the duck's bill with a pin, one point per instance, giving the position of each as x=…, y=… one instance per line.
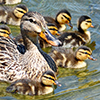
x=69, y=24
x=92, y=26
x=57, y=83
x=49, y=38
x=92, y=58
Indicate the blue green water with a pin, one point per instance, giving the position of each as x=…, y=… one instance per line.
x=76, y=84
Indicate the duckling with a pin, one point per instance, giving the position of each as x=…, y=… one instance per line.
x=12, y=16
x=80, y=37
x=30, y=87
x=67, y=58
x=5, y=31
x=9, y=1
x=31, y=64
x=63, y=17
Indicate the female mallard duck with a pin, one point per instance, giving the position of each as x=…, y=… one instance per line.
x=80, y=37
x=31, y=64
x=63, y=17
x=12, y=16
x=9, y=1
x=6, y=32
x=29, y=87
x=69, y=59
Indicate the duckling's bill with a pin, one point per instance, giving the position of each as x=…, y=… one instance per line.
x=69, y=24
x=92, y=26
x=92, y=58
x=57, y=83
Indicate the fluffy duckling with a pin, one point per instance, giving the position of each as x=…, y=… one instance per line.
x=63, y=17
x=9, y=1
x=12, y=16
x=80, y=37
x=5, y=31
x=32, y=64
x=69, y=59
x=29, y=87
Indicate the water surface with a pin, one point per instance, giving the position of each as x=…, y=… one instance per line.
x=81, y=84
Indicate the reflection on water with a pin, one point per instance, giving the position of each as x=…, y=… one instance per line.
x=81, y=84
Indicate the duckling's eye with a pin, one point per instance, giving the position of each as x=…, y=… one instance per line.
x=86, y=23
x=61, y=17
x=85, y=53
x=49, y=78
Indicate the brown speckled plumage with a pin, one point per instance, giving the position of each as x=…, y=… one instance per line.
x=31, y=65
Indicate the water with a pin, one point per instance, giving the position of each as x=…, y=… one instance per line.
x=81, y=84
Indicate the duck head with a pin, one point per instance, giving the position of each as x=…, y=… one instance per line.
x=33, y=25
x=83, y=53
x=84, y=23
x=49, y=78
x=64, y=17
x=5, y=32
x=20, y=10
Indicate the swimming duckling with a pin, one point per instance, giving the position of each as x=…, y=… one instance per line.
x=63, y=17
x=32, y=64
x=5, y=31
x=80, y=37
x=12, y=16
x=30, y=87
x=9, y=1
x=67, y=58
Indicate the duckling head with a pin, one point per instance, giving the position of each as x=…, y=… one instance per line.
x=33, y=25
x=49, y=78
x=83, y=53
x=5, y=31
x=20, y=10
x=64, y=17
x=53, y=29
x=84, y=23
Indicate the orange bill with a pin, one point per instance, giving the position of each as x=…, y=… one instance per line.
x=92, y=26
x=69, y=24
x=49, y=38
x=92, y=58
x=57, y=83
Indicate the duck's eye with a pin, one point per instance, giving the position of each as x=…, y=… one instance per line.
x=31, y=20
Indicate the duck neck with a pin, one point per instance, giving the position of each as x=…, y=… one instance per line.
x=86, y=34
x=77, y=59
x=80, y=30
x=50, y=61
x=29, y=41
